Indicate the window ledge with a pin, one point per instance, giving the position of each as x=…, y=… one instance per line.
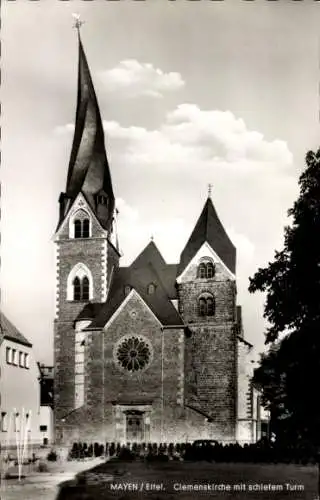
x=71, y=301
x=82, y=238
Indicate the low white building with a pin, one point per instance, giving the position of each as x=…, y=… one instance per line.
x=46, y=374
x=19, y=389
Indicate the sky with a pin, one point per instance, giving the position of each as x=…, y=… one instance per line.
x=191, y=94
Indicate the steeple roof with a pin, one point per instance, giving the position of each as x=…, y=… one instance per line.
x=88, y=167
x=209, y=229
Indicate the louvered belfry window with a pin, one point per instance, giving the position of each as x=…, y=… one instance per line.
x=82, y=228
x=206, y=305
x=206, y=270
x=77, y=228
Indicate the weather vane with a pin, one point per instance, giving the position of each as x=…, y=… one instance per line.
x=78, y=23
x=209, y=190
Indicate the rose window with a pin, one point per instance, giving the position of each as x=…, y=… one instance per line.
x=133, y=353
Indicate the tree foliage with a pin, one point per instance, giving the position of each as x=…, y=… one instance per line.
x=290, y=370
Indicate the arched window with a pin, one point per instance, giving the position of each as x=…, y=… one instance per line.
x=76, y=288
x=80, y=224
x=80, y=283
x=202, y=307
x=82, y=228
x=206, y=305
x=81, y=288
x=210, y=270
x=85, y=288
x=77, y=228
x=102, y=200
x=210, y=306
x=206, y=270
x=85, y=228
x=202, y=270
x=151, y=288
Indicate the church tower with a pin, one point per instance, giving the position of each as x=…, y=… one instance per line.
x=86, y=253
x=207, y=301
x=148, y=352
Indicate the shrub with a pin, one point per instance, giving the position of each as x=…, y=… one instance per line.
x=52, y=456
x=42, y=467
x=126, y=454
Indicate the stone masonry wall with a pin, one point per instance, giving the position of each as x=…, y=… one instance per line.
x=211, y=375
x=96, y=230
x=211, y=349
x=244, y=382
x=112, y=262
x=70, y=252
x=64, y=352
x=108, y=385
x=124, y=387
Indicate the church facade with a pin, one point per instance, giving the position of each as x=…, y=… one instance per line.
x=151, y=352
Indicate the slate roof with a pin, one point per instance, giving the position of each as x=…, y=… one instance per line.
x=89, y=311
x=88, y=167
x=148, y=267
x=209, y=229
x=166, y=272
x=10, y=332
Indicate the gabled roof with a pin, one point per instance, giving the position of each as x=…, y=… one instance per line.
x=10, y=332
x=209, y=229
x=149, y=267
x=168, y=272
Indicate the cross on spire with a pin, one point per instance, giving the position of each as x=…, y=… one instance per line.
x=209, y=190
x=78, y=23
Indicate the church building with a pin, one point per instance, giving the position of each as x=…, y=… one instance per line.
x=150, y=352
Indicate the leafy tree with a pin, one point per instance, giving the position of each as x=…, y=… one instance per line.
x=290, y=372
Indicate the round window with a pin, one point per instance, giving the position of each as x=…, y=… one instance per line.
x=133, y=353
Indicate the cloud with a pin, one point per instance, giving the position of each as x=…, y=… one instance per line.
x=191, y=135
x=254, y=180
x=140, y=79
x=135, y=232
x=245, y=248
x=64, y=129
x=220, y=132
x=129, y=214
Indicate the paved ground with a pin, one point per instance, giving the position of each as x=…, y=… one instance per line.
x=186, y=481
x=42, y=485
x=165, y=481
